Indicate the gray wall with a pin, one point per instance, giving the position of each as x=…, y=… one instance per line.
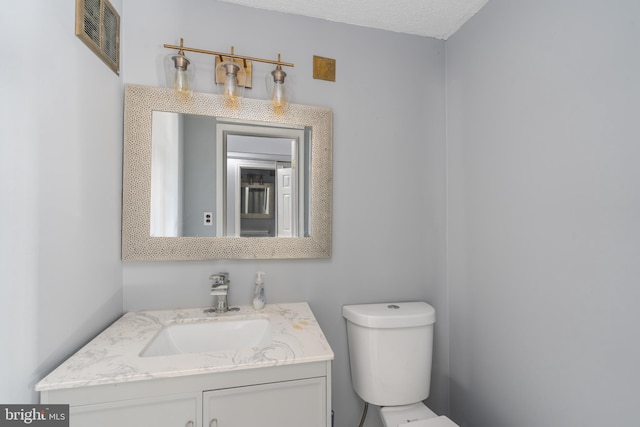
x=542, y=200
x=60, y=192
x=199, y=172
x=543, y=135
x=388, y=235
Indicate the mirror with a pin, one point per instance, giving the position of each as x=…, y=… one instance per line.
x=201, y=181
x=215, y=177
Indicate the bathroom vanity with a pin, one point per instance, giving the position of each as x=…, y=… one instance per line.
x=191, y=368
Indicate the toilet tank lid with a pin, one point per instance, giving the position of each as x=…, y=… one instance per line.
x=390, y=315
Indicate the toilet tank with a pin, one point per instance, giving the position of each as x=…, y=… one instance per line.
x=390, y=351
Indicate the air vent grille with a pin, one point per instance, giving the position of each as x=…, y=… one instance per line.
x=110, y=27
x=98, y=26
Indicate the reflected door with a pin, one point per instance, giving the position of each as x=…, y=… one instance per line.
x=286, y=205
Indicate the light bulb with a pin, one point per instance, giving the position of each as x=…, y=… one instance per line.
x=279, y=98
x=230, y=90
x=181, y=82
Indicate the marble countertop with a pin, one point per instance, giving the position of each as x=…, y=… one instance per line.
x=114, y=355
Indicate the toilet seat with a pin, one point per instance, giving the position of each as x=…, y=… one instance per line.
x=440, y=421
x=393, y=416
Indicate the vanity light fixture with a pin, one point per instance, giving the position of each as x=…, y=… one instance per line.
x=179, y=74
x=233, y=74
x=278, y=94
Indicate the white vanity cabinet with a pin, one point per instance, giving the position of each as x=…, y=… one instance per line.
x=171, y=410
x=284, y=404
x=281, y=396
x=284, y=380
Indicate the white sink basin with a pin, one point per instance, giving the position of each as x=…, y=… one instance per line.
x=209, y=336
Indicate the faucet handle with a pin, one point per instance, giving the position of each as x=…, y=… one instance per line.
x=220, y=279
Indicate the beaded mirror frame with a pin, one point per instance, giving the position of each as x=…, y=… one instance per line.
x=139, y=245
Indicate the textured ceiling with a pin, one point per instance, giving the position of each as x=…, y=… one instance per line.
x=430, y=18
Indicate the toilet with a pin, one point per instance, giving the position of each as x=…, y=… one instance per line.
x=390, y=353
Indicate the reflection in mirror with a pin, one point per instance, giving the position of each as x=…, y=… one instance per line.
x=212, y=177
x=201, y=181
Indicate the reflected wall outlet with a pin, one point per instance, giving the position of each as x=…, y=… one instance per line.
x=208, y=218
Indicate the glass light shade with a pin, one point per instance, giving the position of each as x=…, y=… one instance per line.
x=278, y=91
x=179, y=74
x=229, y=86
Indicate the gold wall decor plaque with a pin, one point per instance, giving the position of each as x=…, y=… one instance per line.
x=324, y=68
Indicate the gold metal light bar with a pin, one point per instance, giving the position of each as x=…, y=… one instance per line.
x=228, y=55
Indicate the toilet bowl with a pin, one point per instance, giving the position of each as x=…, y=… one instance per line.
x=394, y=416
x=414, y=415
x=390, y=352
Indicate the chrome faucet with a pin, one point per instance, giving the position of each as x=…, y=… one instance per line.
x=219, y=290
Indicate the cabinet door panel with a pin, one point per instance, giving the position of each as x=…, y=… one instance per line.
x=300, y=403
x=169, y=411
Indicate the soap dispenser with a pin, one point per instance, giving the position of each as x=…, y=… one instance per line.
x=258, y=294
